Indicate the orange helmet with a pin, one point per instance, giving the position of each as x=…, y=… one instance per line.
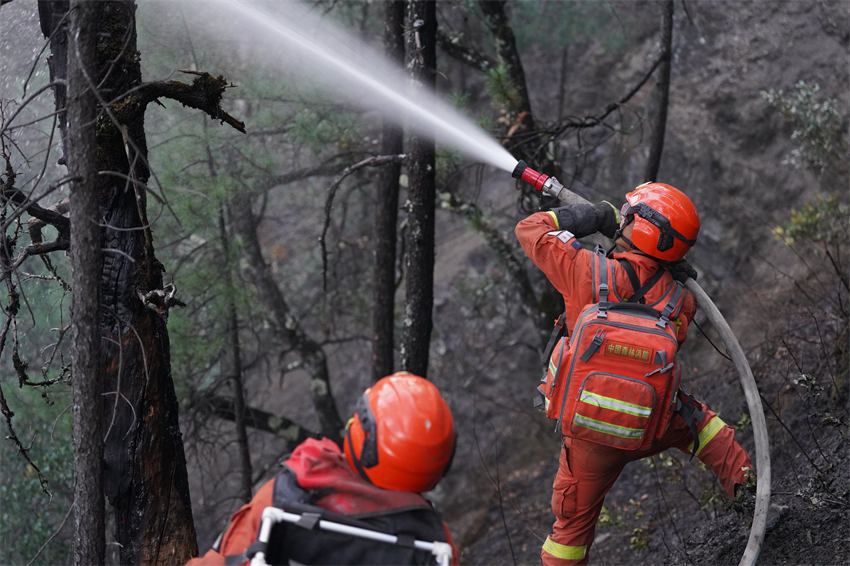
x=401, y=435
x=666, y=221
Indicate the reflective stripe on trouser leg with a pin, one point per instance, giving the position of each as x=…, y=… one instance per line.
x=563, y=551
x=707, y=433
x=720, y=451
x=586, y=471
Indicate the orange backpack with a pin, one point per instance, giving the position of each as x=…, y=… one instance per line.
x=614, y=379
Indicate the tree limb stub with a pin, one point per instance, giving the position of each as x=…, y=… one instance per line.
x=52, y=216
x=203, y=94
x=292, y=432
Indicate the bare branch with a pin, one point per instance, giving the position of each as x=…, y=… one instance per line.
x=374, y=161
x=591, y=121
x=454, y=48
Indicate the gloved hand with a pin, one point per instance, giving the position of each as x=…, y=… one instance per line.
x=682, y=270
x=607, y=217
x=585, y=219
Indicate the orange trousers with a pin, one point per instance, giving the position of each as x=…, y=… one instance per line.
x=587, y=471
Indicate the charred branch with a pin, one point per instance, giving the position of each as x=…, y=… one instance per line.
x=203, y=94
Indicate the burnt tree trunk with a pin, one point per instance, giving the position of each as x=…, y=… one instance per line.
x=145, y=475
x=89, y=521
x=662, y=86
x=419, y=258
x=386, y=215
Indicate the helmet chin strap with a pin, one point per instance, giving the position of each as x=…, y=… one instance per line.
x=618, y=235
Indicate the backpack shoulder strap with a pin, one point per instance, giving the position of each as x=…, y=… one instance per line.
x=639, y=290
x=600, y=271
x=674, y=304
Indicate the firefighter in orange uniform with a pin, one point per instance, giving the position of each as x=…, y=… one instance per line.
x=399, y=443
x=655, y=228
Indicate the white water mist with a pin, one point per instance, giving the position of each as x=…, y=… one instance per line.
x=286, y=35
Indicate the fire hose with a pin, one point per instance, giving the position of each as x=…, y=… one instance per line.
x=551, y=187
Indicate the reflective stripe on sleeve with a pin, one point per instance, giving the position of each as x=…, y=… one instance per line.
x=564, y=551
x=555, y=218
x=708, y=432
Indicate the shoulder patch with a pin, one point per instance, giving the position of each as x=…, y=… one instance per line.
x=563, y=235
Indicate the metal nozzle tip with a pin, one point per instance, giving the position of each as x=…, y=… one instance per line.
x=520, y=167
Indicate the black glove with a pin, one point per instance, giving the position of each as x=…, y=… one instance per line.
x=607, y=217
x=585, y=219
x=682, y=270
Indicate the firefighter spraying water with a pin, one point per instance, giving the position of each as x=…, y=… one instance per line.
x=611, y=380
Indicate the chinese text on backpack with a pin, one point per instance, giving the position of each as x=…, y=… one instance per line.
x=613, y=381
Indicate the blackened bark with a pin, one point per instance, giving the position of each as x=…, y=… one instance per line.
x=419, y=259
x=287, y=327
x=89, y=522
x=656, y=141
x=386, y=215
x=145, y=475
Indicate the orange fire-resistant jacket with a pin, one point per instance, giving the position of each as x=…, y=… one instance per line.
x=567, y=265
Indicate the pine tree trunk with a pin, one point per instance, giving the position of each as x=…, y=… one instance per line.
x=419, y=258
x=89, y=542
x=386, y=215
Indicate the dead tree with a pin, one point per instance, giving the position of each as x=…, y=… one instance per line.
x=144, y=470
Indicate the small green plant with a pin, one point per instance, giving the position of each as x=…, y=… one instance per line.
x=639, y=539
x=824, y=222
x=744, y=422
x=501, y=88
x=709, y=497
x=608, y=519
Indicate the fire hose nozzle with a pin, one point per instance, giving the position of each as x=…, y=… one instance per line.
x=518, y=170
x=549, y=186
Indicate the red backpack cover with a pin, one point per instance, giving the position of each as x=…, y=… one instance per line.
x=614, y=379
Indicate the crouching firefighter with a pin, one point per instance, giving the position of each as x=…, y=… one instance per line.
x=612, y=381
x=399, y=443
